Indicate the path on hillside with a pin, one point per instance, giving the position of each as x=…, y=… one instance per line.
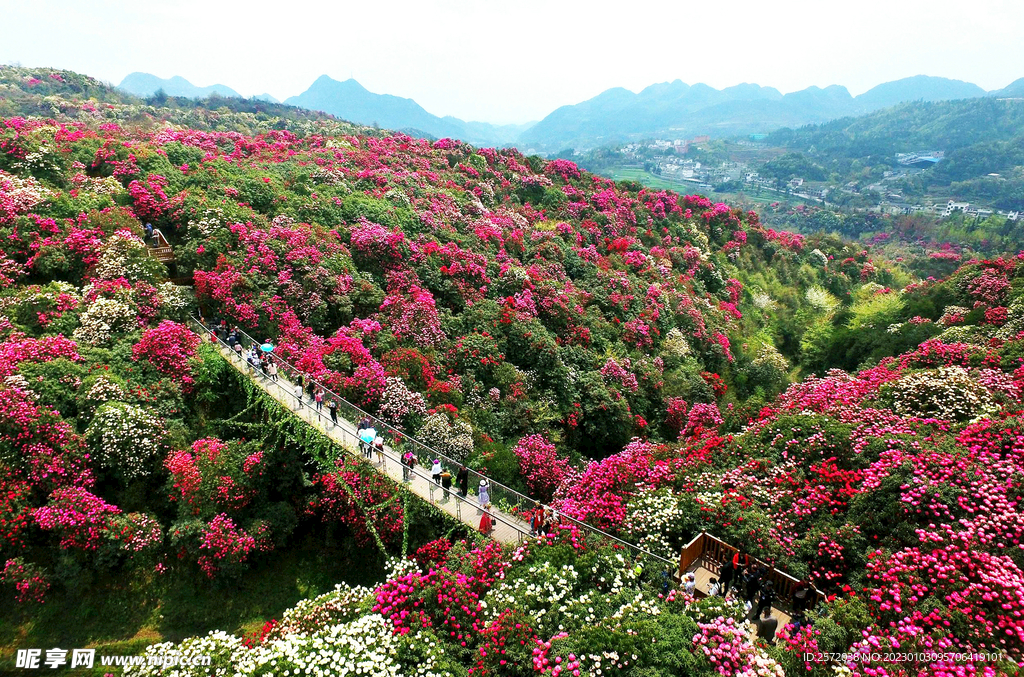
x=507, y=529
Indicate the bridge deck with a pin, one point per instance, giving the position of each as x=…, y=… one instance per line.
x=507, y=529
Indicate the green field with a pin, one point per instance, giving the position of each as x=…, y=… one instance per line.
x=687, y=187
x=648, y=179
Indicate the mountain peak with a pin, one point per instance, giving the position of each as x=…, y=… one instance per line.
x=916, y=88
x=147, y=84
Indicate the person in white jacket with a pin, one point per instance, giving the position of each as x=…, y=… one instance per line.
x=436, y=470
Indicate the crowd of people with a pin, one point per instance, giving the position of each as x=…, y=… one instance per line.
x=262, y=362
x=745, y=579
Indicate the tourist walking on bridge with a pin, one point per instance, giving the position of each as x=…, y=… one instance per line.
x=462, y=479
x=482, y=493
x=408, y=463
x=536, y=519
x=332, y=406
x=486, y=524
x=446, y=484
x=435, y=471
x=366, y=438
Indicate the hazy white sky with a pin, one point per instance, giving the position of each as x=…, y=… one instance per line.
x=517, y=60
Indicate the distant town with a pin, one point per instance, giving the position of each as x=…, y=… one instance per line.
x=675, y=161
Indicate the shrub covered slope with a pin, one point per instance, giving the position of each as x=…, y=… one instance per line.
x=651, y=363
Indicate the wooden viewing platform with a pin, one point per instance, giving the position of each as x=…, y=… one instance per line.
x=704, y=556
x=161, y=250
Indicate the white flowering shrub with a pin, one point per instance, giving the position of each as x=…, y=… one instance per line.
x=44, y=160
x=452, y=438
x=948, y=393
x=675, y=344
x=124, y=255
x=817, y=258
x=653, y=521
x=974, y=334
x=221, y=647
x=397, y=197
x=103, y=185
x=398, y=403
x=562, y=597
x=764, y=301
x=103, y=319
x=175, y=299
x=309, y=616
x=548, y=595
x=365, y=646
x=206, y=224
x=769, y=368
x=820, y=299
x=96, y=391
x=126, y=438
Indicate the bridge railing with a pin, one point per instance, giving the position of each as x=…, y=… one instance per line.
x=504, y=498
x=389, y=457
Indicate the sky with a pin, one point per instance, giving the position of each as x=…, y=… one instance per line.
x=504, y=61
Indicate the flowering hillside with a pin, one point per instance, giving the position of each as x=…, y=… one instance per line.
x=650, y=363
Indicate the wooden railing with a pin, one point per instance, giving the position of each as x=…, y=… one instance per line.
x=161, y=249
x=710, y=553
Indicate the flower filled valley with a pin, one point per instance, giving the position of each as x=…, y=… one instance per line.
x=654, y=365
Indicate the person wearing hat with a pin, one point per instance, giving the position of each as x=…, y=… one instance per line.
x=482, y=493
x=435, y=471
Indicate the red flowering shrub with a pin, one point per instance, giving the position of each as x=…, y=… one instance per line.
x=223, y=544
x=603, y=489
x=169, y=347
x=29, y=580
x=541, y=467
x=81, y=519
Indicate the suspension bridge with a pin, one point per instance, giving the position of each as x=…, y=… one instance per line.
x=506, y=502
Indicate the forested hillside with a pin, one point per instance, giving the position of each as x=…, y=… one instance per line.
x=979, y=137
x=650, y=363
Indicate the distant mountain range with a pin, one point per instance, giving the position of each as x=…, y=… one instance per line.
x=678, y=110
x=351, y=101
x=669, y=109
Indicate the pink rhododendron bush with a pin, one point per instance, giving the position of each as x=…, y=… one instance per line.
x=646, y=363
